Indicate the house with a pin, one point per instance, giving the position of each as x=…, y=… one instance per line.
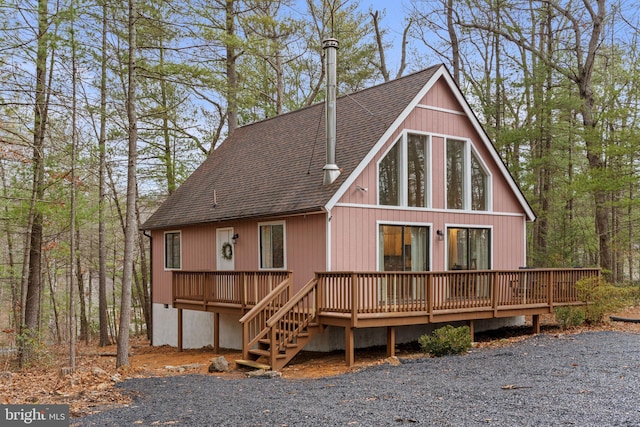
x=408, y=182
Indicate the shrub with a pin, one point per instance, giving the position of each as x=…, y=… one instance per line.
x=568, y=317
x=602, y=298
x=446, y=340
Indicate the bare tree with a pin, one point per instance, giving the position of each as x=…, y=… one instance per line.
x=35, y=233
x=375, y=16
x=122, y=358
x=102, y=244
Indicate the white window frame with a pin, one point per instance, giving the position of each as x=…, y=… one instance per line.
x=469, y=226
x=403, y=196
x=284, y=244
x=430, y=248
x=164, y=246
x=469, y=150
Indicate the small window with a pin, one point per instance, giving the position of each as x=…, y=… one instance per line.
x=389, y=177
x=272, y=245
x=478, y=185
x=172, y=251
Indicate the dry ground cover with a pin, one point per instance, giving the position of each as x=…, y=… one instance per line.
x=90, y=388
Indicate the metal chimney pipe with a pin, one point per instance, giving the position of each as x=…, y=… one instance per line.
x=331, y=170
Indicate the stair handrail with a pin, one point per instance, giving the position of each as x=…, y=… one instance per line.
x=262, y=310
x=278, y=341
x=306, y=289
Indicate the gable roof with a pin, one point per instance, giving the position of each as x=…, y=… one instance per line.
x=274, y=167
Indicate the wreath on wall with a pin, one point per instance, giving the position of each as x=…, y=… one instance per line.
x=227, y=251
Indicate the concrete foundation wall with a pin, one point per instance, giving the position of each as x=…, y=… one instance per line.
x=198, y=331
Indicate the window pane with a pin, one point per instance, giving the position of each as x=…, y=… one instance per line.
x=419, y=249
x=392, y=244
x=265, y=247
x=479, y=247
x=417, y=170
x=403, y=248
x=172, y=250
x=272, y=246
x=455, y=174
x=478, y=186
x=457, y=249
x=389, y=172
x=469, y=248
x=277, y=232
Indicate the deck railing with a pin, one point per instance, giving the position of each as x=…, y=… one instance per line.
x=241, y=288
x=360, y=293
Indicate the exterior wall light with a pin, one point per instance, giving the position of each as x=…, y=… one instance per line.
x=440, y=234
x=234, y=238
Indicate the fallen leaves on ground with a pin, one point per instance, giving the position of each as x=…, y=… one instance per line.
x=90, y=387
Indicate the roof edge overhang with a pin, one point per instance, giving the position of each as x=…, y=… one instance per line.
x=297, y=212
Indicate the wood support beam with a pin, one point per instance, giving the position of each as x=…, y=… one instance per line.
x=179, y=329
x=216, y=332
x=349, y=346
x=391, y=341
x=535, y=322
x=472, y=329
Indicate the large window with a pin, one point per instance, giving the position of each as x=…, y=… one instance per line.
x=403, y=178
x=404, y=248
x=172, y=252
x=467, y=179
x=272, y=245
x=469, y=248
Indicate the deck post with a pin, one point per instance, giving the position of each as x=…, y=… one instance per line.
x=535, y=321
x=349, y=346
x=179, y=329
x=472, y=330
x=391, y=341
x=216, y=332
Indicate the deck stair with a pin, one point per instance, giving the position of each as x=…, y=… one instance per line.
x=284, y=330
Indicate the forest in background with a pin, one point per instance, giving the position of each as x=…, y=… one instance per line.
x=107, y=106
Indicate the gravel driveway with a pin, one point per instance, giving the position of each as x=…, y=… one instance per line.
x=589, y=379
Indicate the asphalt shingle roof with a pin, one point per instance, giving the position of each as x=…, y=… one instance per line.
x=274, y=167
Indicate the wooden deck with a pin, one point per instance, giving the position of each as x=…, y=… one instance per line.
x=276, y=323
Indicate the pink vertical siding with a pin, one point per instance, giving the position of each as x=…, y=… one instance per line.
x=306, y=247
x=354, y=230
x=305, y=250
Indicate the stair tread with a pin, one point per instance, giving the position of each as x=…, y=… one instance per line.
x=253, y=364
x=265, y=353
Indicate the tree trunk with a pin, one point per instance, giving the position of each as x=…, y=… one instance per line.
x=145, y=298
x=102, y=244
x=455, y=44
x=16, y=303
x=232, y=76
x=593, y=139
x=84, y=322
x=122, y=358
x=54, y=304
x=34, y=280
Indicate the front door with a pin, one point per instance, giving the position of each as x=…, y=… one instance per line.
x=225, y=249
